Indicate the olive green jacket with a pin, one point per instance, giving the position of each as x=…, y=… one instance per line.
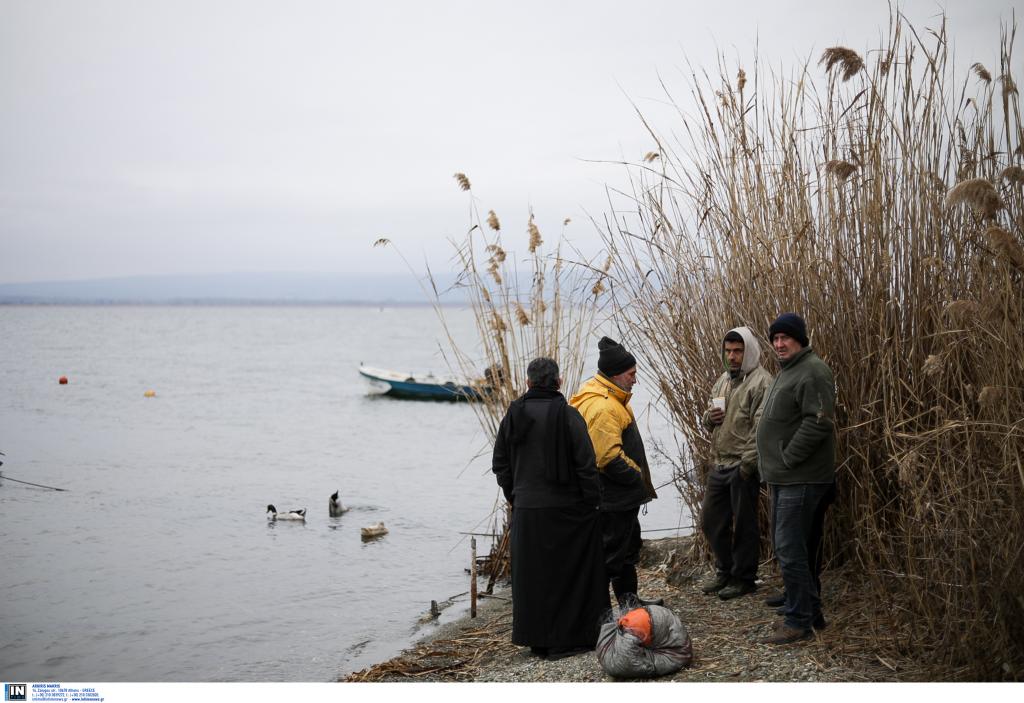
x=796, y=440
x=735, y=440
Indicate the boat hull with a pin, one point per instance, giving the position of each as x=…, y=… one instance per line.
x=410, y=388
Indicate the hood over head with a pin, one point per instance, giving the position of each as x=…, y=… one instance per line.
x=751, y=349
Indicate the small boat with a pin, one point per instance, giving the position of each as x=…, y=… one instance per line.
x=371, y=531
x=429, y=387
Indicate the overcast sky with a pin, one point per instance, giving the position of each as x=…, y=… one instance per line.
x=142, y=137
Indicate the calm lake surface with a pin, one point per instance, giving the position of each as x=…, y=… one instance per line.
x=158, y=563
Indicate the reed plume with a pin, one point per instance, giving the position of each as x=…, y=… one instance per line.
x=534, y=232
x=1013, y=174
x=1007, y=246
x=492, y=221
x=841, y=170
x=981, y=72
x=979, y=193
x=463, y=181
x=849, y=61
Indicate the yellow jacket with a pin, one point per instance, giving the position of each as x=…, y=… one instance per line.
x=618, y=447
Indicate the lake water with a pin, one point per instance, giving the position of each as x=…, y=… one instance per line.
x=158, y=563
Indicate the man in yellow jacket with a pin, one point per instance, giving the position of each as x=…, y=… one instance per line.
x=621, y=463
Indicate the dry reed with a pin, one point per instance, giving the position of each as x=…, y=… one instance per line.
x=916, y=303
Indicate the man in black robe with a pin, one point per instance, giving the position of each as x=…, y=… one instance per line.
x=544, y=463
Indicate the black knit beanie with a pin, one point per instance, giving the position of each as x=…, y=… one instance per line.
x=614, y=359
x=792, y=324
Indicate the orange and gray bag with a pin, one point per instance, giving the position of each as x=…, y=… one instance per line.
x=644, y=643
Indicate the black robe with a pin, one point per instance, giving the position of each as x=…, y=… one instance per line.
x=559, y=587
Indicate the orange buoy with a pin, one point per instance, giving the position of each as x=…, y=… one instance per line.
x=149, y=394
x=63, y=380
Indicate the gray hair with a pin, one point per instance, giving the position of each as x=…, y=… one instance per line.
x=543, y=371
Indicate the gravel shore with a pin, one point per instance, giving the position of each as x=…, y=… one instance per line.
x=725, y=637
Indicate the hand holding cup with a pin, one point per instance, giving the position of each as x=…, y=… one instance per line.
x=717, y=413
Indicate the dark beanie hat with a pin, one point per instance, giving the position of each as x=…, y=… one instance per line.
x=614, y=359
x=792, y=324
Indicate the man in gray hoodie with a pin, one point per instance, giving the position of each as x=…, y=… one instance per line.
x=729, y=510
x=796, y=448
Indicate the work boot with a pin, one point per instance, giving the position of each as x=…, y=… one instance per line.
x=656, y=601
x=783, y=634
x=774, y=600
x=818, y=623
x=737, y=588
x=716, y=584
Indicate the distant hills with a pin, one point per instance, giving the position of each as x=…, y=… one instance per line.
x=233, y=288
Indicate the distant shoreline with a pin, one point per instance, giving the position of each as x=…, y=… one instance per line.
x=222, y=302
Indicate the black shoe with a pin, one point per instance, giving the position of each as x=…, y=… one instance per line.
x=556, y=654
x=736, y=589
x=776, y=599
x=656, y=601
x=716, y=584
x=541, y=652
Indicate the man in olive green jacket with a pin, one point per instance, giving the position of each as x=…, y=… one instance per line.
x=796, y=450
x=729, y=509
x=603, y=401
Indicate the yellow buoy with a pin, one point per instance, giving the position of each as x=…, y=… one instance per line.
x=150, y=394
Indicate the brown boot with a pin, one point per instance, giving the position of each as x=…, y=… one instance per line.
x=784, y=634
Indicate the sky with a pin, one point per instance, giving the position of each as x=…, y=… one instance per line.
x=178, y=137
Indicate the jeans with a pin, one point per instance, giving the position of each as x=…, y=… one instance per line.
x=729, y=519
x=798, y=517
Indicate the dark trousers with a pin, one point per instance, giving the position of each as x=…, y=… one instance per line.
x=621, y=533
x=798, y=517
x=729, y=517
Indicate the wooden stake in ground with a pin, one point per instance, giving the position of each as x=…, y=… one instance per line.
x=472, y=578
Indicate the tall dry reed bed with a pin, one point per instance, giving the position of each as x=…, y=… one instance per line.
x=880, y=196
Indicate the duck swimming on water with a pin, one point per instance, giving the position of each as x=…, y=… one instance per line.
x=272, y=514
x=335, y=507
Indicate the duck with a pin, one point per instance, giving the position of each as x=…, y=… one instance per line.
x=371, y=531
x=335, y=507
x=272, y=514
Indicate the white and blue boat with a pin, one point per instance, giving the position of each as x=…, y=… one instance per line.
x=410, y=387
